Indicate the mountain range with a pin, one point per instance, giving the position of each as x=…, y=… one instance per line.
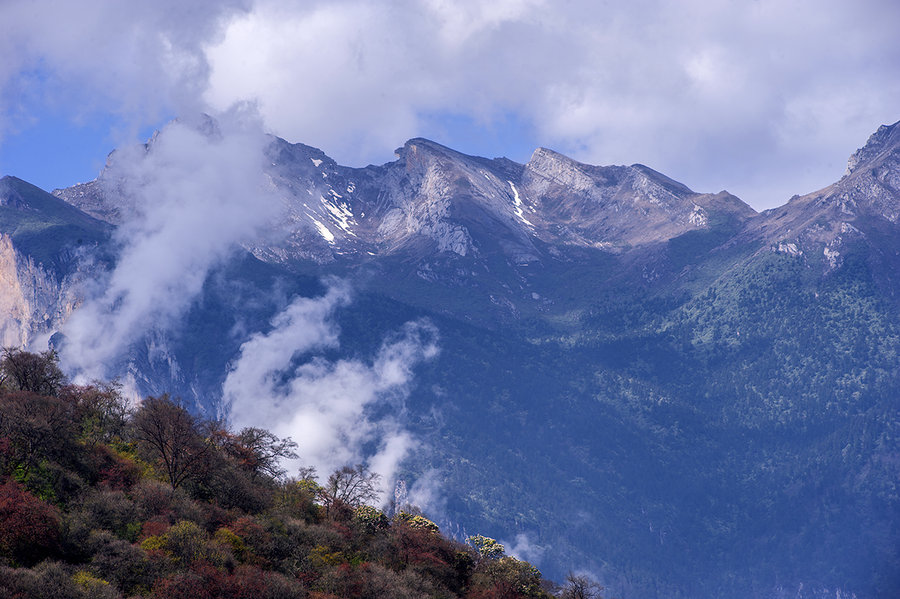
x=664, y=388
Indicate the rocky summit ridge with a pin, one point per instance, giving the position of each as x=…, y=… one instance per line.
x=433, y=199
x=471, y=222
x=457, y=218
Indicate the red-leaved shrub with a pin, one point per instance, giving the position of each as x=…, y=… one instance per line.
x=29, y=528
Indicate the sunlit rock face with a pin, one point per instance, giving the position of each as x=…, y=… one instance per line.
x=44, y=260
x=29, y=298
x=617, y=207
x=15, y=310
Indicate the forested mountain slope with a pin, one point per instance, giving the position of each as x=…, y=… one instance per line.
x=659, y=386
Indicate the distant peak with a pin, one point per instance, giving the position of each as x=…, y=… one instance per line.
x=423, y=151
x=422, y=141
x=667, y=182
x=543, y=153
x=202, y=123
x=11, y=182
x=420, y=144
x=546, y=160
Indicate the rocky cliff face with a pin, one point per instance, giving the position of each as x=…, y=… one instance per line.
x=16, y=304
x=34, y=303
x=46, y=251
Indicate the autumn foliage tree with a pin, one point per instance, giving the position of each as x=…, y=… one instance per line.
x=99, y=409
x=507, y=578
x=580, y=587
x=499, y=576
x=29, y=527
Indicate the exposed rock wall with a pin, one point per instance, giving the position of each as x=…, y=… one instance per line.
x=32, y=301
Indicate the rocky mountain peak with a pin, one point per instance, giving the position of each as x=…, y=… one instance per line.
x=422, y=159
x=826, y=222
x=885, y=141
x=419, y=146
x=604, y=183
x=611, y=207
x=871, y=185
x=420, y=154
x=283, y=154
x=545, y=159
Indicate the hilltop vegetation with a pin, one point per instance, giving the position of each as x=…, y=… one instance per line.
x=101, y=500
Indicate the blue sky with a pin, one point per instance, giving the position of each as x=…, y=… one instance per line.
x=56, y=151
x=764, y=98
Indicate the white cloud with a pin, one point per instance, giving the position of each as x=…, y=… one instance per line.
x=329, y=407
x=187, y=201
x=525, y=549
x=139, y=60
x=427, y=494
x=358, y=78
x=766, y=98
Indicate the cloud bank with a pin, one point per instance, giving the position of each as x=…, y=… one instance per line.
x=340, y=412
x=139, y=60
x=187, y=200
x=767, y=98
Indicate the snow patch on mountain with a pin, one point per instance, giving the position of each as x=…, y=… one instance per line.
x=323, y=230
x=517, y=204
